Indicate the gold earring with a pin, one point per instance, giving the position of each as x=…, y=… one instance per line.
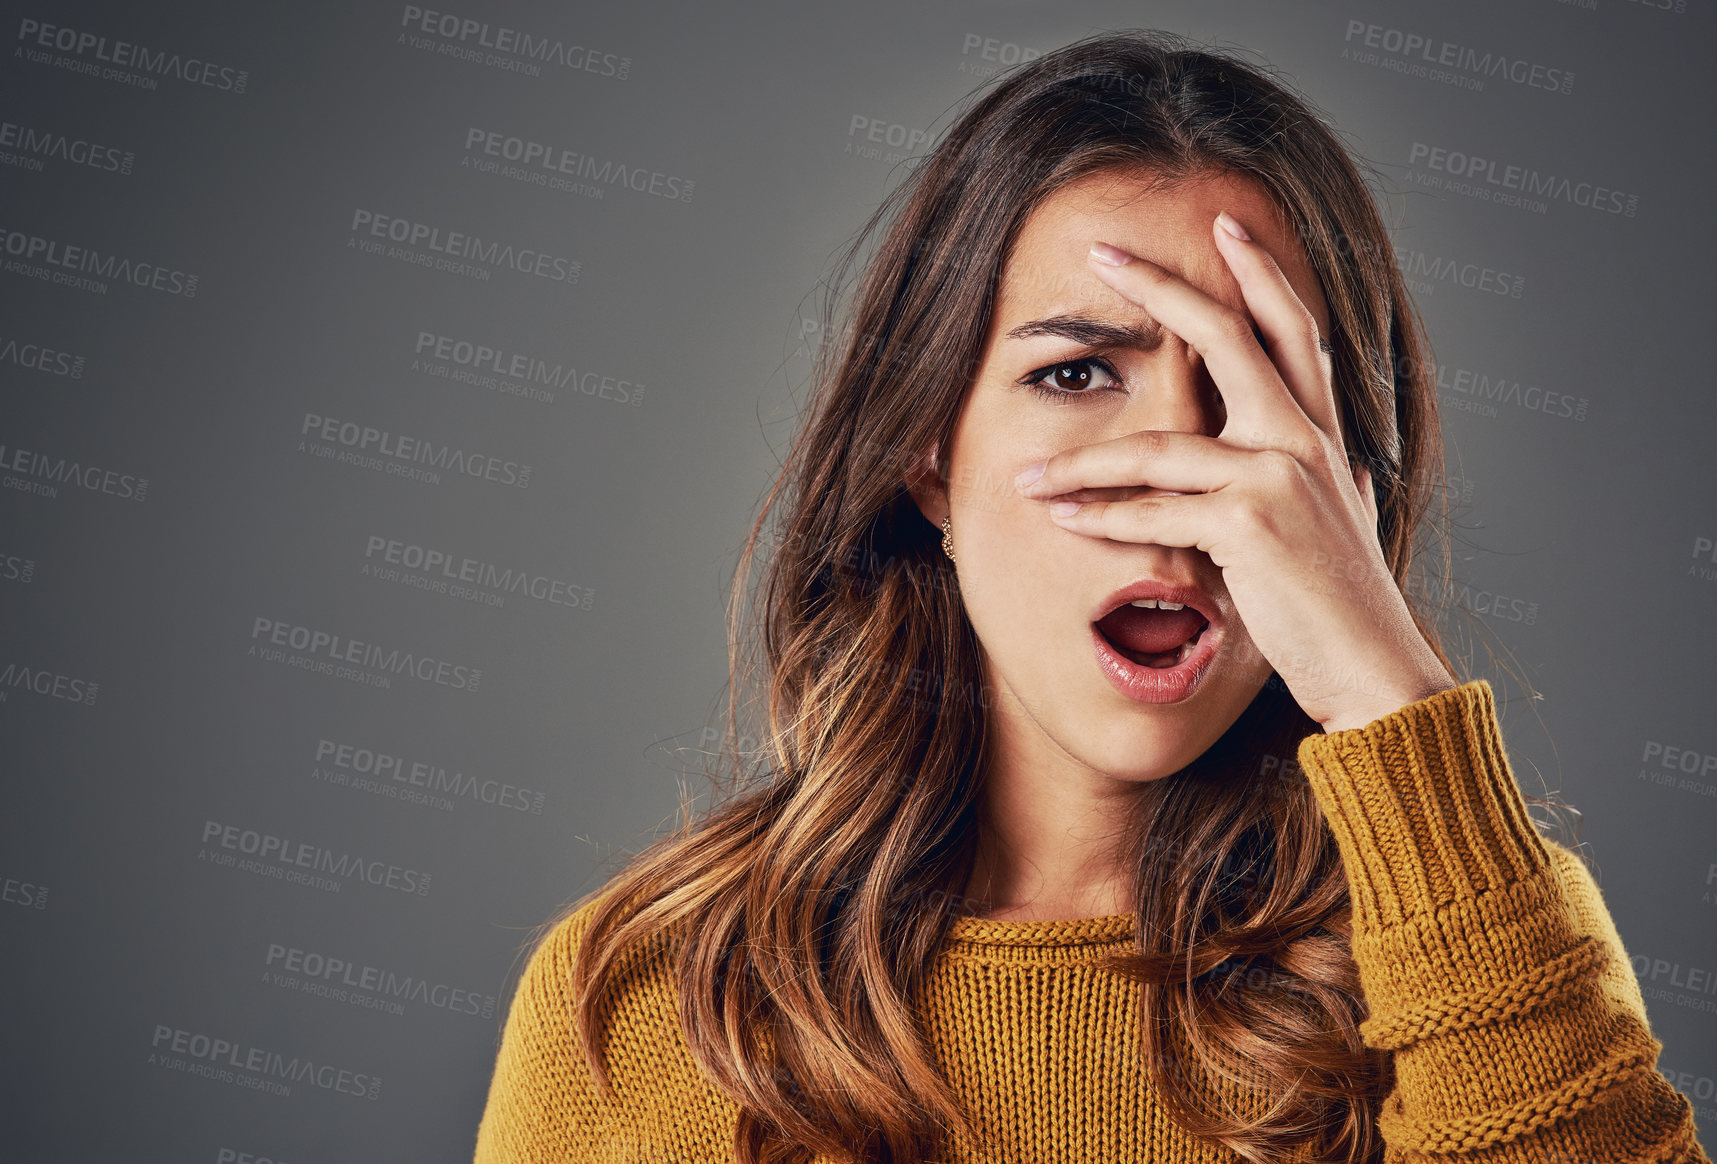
x=948, y=536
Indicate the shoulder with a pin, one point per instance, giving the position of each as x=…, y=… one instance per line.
x=545, y=1102
x=639, y=1002
x=559, y=939
x=541, y=1012
x=639, y=1037
x=635, y=1019
x=552, y=954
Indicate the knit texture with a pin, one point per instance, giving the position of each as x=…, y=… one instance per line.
x=1492, y=971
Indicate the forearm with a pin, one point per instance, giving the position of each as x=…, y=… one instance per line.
x=1478, y=974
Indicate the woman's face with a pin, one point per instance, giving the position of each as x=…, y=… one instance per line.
x=1033, y=589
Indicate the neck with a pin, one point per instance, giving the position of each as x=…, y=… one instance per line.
x=1056, y=861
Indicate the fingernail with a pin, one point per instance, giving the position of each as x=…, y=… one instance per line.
x=1114, y=256
x=1063, y=508
x=1228, y=223
x=1029, y=474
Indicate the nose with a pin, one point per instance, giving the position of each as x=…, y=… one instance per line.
x=1178, y=393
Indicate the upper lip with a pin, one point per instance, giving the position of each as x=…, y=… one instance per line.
x=1188, y=594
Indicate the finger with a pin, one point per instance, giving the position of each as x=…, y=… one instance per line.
x=1191, y=521
x=1257, y=400
x=1162, y=457
x=1291, y=332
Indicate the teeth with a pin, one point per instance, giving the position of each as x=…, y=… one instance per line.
x=1188, y=647
x=1160, y=604
x=1180, y=654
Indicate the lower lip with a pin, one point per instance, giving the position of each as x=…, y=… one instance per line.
x=1157, y=684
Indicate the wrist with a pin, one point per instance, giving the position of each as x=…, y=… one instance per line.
x=1369, y=706
x=1424, y=807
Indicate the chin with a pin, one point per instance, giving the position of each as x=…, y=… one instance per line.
x=1140, y=748
x=1143, y=740
x=1086, y=715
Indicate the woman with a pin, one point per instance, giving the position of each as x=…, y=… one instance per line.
x=1118, y=802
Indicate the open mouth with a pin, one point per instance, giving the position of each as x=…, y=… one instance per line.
x=1153, y=633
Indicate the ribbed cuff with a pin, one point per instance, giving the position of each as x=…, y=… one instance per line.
x=1424, y=807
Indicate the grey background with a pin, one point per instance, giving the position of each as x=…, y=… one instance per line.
x=1584, y=540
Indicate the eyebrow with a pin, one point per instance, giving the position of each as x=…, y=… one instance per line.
x=1093, y=332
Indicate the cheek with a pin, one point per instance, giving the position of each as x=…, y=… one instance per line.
x=1002, y=430
x=1023, y=579
x=1014, y=560
x=1004, y=558
x=1000, y=534
x=1023, y=600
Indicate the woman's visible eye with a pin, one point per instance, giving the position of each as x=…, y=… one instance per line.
x=1071, y=378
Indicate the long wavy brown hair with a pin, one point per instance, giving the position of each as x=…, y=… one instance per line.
x=807, y=904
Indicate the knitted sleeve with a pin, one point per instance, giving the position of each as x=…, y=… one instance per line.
x=543, y=1104
x=1491, y=969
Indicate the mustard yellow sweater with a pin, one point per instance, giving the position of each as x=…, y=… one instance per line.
x=1492, y=971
